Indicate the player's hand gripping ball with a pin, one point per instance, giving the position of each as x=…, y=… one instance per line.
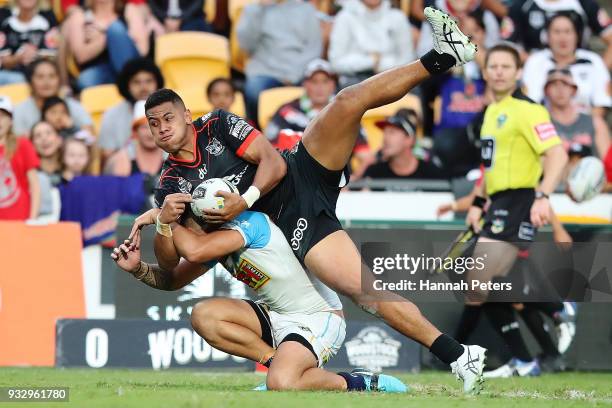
x=204, y=197
x=586, y=179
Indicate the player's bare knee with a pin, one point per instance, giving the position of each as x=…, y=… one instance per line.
x=203, y=320
x=348, y=99
x=278, y=380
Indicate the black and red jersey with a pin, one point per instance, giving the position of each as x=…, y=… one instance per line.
x=221, y=138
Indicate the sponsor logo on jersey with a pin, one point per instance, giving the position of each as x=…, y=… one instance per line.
x=202, y=171
x=545, y=131
x=373, y=348
x=241, y=130
x=298, y=233
x=236, y=178
x=185, y=186
x=215, y=147
x=205, y=118
x=497, y=226
x=250, y=275
x=526, y=231
x=501, y=120
x=232, y=120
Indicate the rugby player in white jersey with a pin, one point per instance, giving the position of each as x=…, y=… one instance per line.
x=295, y=327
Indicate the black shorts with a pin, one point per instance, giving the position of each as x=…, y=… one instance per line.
x=509, y=217
x=305, y=201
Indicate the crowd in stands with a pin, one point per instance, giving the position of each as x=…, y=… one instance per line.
x=52, y=53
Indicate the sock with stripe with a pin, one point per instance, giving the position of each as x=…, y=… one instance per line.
x=354, y=382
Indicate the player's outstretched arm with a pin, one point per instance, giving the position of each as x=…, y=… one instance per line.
x=205, y=248
x=127, y=257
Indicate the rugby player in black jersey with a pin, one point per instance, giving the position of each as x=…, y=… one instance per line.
x=299, y=189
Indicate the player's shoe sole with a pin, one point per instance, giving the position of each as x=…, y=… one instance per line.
x=448, y=38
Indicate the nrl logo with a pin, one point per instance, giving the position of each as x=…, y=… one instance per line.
x=373, y=349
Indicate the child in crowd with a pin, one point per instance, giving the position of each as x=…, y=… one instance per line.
x=221, y=94
x=19, y=188
x=55, y=111
x=76, y=158
x=48, y=145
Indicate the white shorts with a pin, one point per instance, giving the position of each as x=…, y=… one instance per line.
x=322, y=332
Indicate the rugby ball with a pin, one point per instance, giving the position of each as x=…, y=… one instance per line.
x=586, y=179
x=204, y=195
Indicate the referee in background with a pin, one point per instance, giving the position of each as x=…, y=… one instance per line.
x=516, y=135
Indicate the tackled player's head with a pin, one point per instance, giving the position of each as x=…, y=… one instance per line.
x=169, y=120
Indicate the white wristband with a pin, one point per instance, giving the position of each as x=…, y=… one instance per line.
x=251, y=195
x=163, y=229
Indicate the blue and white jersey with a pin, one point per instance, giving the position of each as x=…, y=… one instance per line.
x=267, y=265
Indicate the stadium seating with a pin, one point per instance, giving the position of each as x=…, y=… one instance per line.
x=210, y=9
x=17, y=92
x=239, y=57
x=370, y=118
x=196, y=102
x=272, y=99
x=97, y=99
x=192, y=59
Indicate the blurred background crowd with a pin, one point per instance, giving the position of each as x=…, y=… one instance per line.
x=74, y=74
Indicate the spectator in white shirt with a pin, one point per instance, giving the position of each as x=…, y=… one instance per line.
x=587, y=67
x=368, y=37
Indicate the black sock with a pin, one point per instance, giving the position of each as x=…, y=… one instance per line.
x=533, y=319
x=446, y=348
x=436, y=63
x=503, y=320
x=467, y=323
x=354, y=382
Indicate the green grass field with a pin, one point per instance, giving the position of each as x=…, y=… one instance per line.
x=149, y=389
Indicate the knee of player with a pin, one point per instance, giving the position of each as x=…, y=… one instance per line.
x=278, y=381
x=203, y=319
x=348, y=96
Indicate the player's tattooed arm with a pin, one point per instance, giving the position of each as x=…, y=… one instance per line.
x=127, y=257
x=202, y=248
x=154, y=276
